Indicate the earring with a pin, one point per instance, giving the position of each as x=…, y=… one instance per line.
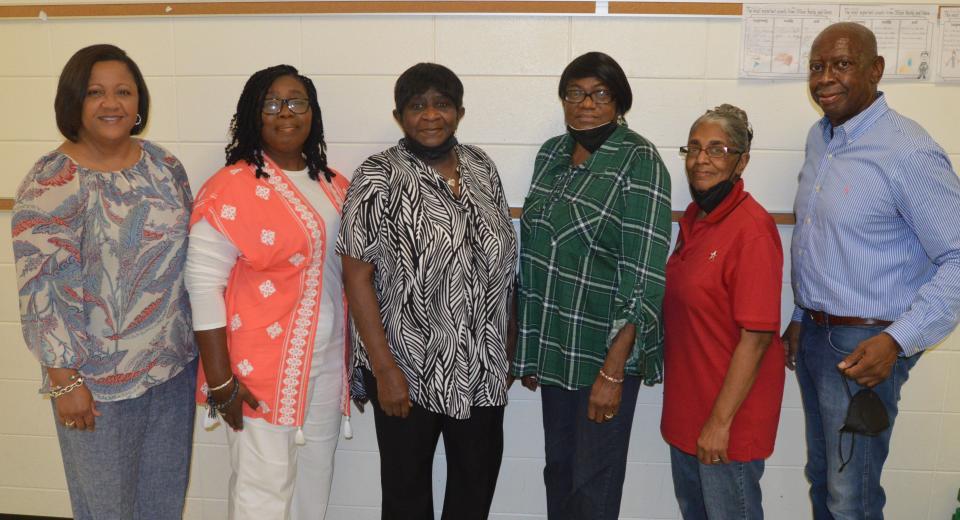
x=139, y=120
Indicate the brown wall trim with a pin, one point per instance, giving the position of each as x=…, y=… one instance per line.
x=307, y=7
x=779, y=218
x=677, y=8
x=368, y=7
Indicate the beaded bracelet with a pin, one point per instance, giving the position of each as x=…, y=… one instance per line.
x=611, y=379
x=57, y=391
x=216, y=407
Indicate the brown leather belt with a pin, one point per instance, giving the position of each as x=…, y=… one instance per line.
x=826, y=320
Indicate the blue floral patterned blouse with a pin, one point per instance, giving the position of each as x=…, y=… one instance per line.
x=99, y=258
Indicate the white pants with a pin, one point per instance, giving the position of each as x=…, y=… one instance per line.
x=272, y=477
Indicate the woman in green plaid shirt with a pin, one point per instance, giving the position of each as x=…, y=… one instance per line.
x=594, y=238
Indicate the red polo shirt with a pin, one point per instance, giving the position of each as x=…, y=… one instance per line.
x=724, y=275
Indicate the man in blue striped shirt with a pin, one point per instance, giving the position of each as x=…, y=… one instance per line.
x=876, y=265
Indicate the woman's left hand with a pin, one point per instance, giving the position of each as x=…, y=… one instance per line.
x=712, y=443
x=604, y=400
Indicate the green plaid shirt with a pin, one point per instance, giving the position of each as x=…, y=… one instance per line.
x=594, y=241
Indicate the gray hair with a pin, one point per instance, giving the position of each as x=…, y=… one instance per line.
x=733, y=121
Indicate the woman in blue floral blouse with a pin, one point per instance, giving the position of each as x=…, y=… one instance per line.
x=99, y=231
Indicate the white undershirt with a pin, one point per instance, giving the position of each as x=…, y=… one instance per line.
x=211, y=257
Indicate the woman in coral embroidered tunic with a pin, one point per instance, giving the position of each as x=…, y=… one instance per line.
x=268, y=302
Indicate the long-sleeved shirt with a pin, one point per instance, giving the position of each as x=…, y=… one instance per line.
x=594, y=241
x=275, y=296
x=876, y=234
x=100, y=260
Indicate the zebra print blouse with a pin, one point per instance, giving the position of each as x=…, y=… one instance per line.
x=444, y=273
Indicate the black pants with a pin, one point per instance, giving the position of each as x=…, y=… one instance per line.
x=474, y=448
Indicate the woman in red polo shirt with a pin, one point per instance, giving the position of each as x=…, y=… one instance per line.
x=723, y=365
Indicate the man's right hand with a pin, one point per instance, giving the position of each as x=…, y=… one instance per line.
x=393, y=391
x=791, y=342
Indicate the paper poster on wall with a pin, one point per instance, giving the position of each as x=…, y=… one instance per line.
x=776, y=38
x=904, y=36
x=948, y=50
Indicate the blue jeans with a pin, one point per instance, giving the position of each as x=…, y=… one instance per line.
x=716, y=491
x=855, y=492
x=136, y=463
x=586, y=462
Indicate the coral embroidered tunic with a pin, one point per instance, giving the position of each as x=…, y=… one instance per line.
x=274, y=291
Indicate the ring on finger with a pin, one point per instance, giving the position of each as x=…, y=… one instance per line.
x=609, y=416
x=69, y=424
x=716, y=460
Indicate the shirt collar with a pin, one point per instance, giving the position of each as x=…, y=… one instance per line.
x=858, y=124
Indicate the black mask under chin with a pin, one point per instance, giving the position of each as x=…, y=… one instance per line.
x=430, y=153
x=593, y=138
x=709, y=199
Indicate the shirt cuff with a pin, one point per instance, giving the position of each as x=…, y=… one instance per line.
x=797, y=313
x=907, y=336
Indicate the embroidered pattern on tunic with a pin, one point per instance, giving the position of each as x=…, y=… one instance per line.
x=305, y=307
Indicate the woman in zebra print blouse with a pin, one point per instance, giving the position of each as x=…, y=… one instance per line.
x=429, y=258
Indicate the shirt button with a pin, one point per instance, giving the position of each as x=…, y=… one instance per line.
x=817, y=188
x=829, y=156
x=800, y=253
x=806, y=220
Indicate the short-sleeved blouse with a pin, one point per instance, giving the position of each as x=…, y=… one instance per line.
x=444, y=272
x=99, y=258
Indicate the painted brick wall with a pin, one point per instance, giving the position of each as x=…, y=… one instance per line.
x=678, y=67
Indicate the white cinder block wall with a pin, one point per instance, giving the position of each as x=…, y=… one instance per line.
x=510, y=65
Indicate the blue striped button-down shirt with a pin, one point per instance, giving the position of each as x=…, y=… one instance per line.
x=877, y=232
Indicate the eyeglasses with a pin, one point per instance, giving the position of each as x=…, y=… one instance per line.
x=714, y=151
x=600, y=96
x=273, y=106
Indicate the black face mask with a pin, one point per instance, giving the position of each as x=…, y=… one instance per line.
x=593, y=138
x=709, y=199
x=866, y=415
x=430, y=153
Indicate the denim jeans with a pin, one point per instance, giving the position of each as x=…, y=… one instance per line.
x=716, y=491
x=854, y=493
x=586, y=462
x=135, y=464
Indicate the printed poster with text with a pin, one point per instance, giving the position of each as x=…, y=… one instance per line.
x=904, y=36
x=948, y=52
x=777, y=38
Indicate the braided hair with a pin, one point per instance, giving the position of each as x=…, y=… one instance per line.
x=733, y=120
x=247, y=122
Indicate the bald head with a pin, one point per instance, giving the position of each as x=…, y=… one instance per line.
x=844, y=71
x=859, y=37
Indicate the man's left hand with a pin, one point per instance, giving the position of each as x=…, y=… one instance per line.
x=872, y=361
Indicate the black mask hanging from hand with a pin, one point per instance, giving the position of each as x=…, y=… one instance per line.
x=593, y=138
x=430, y=153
